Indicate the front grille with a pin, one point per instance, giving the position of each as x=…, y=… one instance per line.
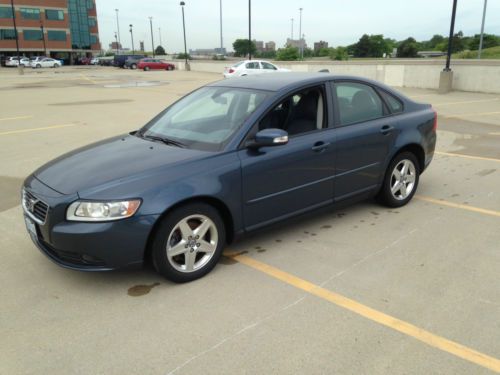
x=35, y=208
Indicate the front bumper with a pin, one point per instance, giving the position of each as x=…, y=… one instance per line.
x=87, y=246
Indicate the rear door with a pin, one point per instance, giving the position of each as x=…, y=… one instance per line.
x=366, y=133
x=252, y=67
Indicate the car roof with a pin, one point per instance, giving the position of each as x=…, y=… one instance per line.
x=286, y=80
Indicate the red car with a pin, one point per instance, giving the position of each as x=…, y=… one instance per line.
x=148, y=64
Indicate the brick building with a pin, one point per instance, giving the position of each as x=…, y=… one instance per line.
x=65, y=29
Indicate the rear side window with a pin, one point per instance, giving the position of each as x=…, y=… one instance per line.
x=395, y=105
x=252, y=65
x=357, y=102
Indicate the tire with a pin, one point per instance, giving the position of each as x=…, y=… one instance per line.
x=56, y=66
x=170, y=68
x=38, y=66
x=146, y=68
x=397, y=190
x=133, y=66
x=188, y=263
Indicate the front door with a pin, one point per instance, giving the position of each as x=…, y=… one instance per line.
x=283, y=180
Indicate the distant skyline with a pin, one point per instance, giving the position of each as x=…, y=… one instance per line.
x=335, y=21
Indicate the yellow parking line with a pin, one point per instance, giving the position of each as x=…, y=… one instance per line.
x=88, y=79
x=458, y=205
x=471, y=114
x=495, y=133
x=396, y=324
x=37, y=129
x=465, y=156
x=15, y=118
x=467, y=102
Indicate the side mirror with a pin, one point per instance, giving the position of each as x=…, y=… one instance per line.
x=269, y=137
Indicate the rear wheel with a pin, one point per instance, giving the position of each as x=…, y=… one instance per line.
x=170, y=67
x=38, y=66
x=401, y=180
x=133, y=66
x=55, y=65
x=189, y=242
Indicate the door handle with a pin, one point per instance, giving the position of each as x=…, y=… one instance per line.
x=386, y=129
x=320, y=146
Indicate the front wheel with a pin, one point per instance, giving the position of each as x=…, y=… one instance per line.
x=146, y=68
x=188, y=242
x=133, y=66
x=401, y=180
x=38, y=66
x=170, y=67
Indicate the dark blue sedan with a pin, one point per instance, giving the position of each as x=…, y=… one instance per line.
x=228, y=158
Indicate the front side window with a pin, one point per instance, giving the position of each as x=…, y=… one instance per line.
x=56, y=35
x=266, y=65
x=207, y=118
x=32, y=34
x=30, y=13
x=7, y=34
x=54, y=15
x=299, y=113
x=357, y=102
x=5, y=12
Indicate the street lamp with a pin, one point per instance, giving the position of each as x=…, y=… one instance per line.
x=182, y=3
x=152, y=40
x=482, y=31
x=221, y=43
x=43, y=38
x=446, y=76
x=159, y=33
x=249, y=29
x=19, y=66
x=117, y=43
x=301, y=41
x=291, y=19
x=132, y=37
x=118, y=26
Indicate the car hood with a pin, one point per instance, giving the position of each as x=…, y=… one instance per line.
x=112, y=160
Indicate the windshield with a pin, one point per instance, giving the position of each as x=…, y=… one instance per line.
x=207, y=118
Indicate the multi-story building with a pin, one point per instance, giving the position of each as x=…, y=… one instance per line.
x=65, y=29
x=297, y=43
x=320, y=45
x=270, y=46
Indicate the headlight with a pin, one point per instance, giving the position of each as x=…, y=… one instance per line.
x=101, y=211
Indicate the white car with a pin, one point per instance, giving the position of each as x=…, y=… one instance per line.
x=94, y=61
x=14, y=61
x=251, y=67
x=45, y=62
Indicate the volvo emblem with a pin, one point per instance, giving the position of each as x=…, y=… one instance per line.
x=30, y=204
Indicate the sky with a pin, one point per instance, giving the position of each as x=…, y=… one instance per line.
x=339, y=22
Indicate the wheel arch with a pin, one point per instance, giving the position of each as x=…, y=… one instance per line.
x=220, y=206
x=416, y=150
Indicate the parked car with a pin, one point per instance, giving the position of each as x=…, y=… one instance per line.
x=251, y=67
x=148, y=64
x=94, y=61
x=106, y=61
x=224, y=160
x=15, y=61
x=45, y=62
x=83, y=61
x=119, y=60
x=132, y=62
x=35, y=59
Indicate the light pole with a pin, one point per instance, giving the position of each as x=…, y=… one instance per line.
x=132, y=37
x=118, y=26
x=482, y=31
x=450, y=39
x=291, y=19
x=116, y=41
x=182, y=3
x=19, y=66
x=159, y=33
x=152, y=40
x=43, y=38
x=301, y=40
x=249, y=29
x=221, y=43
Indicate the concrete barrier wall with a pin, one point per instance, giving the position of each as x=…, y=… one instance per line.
x=468, y=75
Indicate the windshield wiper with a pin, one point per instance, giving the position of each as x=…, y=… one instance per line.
x=167, y=141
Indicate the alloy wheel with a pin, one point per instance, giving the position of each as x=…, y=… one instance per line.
x=403, y=179
x=192, y=243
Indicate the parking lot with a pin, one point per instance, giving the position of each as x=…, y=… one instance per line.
x=359, y=290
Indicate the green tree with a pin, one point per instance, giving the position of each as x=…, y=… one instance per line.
x=339, y=53
x=408, y=48
x=287, y=54
x=323, y=52
x=242, y=46
x=183, y=56
x=371, y=46
x=160, y=51
x=489, y=40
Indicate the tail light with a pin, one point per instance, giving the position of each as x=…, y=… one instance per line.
x=435, y=124
x=231, y=70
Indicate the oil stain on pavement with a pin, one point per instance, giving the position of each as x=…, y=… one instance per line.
x=141, y=290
